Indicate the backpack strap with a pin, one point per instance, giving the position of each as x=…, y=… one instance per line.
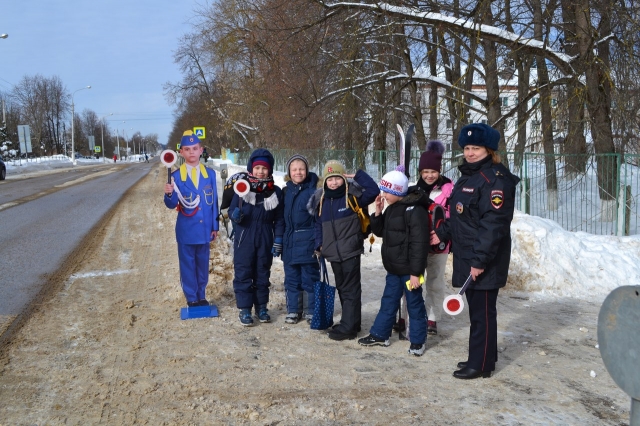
x=352, y=201
x=363, y=218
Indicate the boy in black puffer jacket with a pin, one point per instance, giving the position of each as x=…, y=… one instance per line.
x=405, y=244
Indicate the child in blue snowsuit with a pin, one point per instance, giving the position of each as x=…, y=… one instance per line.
x=340, y=239
x=193, y=193
x=301, y=269
x=259, y=225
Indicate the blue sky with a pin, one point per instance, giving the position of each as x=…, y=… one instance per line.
x=122, y=49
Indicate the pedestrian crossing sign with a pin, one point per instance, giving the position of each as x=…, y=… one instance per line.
x=199, y=132
x=96, y=148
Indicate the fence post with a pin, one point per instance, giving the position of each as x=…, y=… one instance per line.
x=524, y=190
x=627, y=210
x=621, y=213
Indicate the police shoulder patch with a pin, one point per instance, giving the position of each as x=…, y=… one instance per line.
x=497, y=198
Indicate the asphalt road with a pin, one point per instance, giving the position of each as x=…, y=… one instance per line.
x=43, y=219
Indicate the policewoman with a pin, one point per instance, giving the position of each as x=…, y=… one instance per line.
x=481, y=210
x=194, y=195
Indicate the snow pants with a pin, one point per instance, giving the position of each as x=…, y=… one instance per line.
x=434, y=285
x=394, y=288
x=297, y=279
x=349, y=286
x=252, y=270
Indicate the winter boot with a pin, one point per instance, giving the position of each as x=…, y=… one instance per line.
x=432, y=328
x=292, y=318
x=417, y=349
x=372, y=340
x=263, y=313
x=245, y=317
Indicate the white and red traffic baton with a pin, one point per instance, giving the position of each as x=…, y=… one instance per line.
x=241, y=187
x=454, y=304
x=168, y=157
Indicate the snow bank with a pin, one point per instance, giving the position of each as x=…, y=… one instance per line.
x=550, y=261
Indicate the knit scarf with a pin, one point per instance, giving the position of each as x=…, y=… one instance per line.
x=264, y=186
x=339, y=192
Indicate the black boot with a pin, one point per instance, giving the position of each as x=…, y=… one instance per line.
x=469, y=373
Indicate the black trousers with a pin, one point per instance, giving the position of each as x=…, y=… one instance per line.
x=483, y=332
x=349, y=286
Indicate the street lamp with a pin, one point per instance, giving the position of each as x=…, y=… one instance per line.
x=102, y=133
x=118, y=139
x=124, y=136
x=4, y=35
x=73, y=119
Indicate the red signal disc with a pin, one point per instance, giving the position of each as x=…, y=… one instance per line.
x=168, y=157
x=453, y=305
x=241, y=186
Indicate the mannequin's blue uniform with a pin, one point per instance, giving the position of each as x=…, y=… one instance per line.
x=193, y=229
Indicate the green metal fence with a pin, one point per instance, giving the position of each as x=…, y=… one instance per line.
x=597, y=194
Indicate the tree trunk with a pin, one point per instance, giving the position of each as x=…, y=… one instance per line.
x=575, y=143
x=545, y=110
x=599, y=100
x=524, y=73
x=433, y=92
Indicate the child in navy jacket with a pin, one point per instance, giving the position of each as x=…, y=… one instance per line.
x=258, y=229
x=301, y=269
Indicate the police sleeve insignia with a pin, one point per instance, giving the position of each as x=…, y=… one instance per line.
x=497, y=198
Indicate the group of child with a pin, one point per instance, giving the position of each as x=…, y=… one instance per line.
x=302, y=222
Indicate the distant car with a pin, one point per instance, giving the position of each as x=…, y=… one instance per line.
x=3, y=170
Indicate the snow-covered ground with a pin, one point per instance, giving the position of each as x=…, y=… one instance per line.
x=132, y=354
x=31, y=165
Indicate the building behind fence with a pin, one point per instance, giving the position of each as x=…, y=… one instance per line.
x=576, y=201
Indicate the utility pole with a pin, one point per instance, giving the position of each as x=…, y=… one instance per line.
x=118, y=139
x=3, y=128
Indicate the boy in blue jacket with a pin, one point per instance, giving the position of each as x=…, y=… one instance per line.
x=257, y=238
x=301, y=269
x=193, y=193
x=340, y=239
